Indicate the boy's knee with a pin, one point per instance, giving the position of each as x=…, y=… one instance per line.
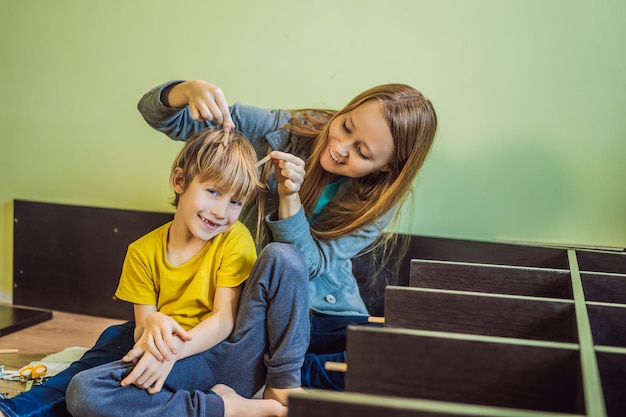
x=75, y=398
x=80, y=397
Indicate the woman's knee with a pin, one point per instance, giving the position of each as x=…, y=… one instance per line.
x=286, y=255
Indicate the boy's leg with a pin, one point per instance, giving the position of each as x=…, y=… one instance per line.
x=272, y=328
x=48, y=399
x=267, y=346
x=97, y=392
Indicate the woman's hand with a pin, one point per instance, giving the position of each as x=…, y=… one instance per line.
x=289, y=172
x=161, y=337
x=206, y=102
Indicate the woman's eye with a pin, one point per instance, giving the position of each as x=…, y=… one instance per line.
x=345, y=127
x=359, y=150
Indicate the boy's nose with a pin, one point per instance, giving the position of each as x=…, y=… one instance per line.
x=219, y=209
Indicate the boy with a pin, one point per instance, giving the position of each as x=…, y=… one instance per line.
x=186, y=281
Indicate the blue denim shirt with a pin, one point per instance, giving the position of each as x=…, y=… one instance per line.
x=333, y=288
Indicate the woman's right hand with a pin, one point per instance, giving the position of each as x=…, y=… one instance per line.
x=206, y=102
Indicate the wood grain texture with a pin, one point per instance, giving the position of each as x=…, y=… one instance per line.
x=523, y=318
x=69, y=258
x=407, y=363
x=534, y=282
x=604, y=288
x=601, y=261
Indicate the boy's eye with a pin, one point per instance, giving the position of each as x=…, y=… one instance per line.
x=236, y=202
x=213, y=191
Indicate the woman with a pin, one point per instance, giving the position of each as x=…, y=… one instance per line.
x=338, y=179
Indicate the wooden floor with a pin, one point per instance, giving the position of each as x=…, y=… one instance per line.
x=35, y=342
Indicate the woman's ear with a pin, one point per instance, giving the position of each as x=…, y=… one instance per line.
x=177, y=180
x=386, y=168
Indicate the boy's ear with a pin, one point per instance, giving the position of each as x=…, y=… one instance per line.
x=177, y=180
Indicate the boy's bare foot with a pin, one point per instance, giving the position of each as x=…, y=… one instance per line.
x=237, y=406
x=280, y=394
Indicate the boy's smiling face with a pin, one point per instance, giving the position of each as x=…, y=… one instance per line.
x=205, y=210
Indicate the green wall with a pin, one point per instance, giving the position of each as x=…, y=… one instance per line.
x=530, y=94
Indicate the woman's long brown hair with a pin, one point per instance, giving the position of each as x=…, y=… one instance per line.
x=413, y=123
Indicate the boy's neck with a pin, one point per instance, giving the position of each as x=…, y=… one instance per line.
x=182, y=245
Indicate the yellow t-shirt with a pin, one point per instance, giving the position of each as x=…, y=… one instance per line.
x=185, y=292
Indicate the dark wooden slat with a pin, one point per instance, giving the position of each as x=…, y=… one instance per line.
x=318, y=403
x=443, y=249
x=612, y=368
x=405, y=363
x=13, y=319
x=592, y=261
x=604, y=288
x=329, y=404
x=607, y=325
x=522, y=318
x=532, y=282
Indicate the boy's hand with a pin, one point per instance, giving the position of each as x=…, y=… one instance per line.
x=161, y=337
x=149, y=373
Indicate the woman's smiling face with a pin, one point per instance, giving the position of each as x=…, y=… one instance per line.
x=359, y=142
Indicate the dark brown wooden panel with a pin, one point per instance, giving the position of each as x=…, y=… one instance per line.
x=69, y=258
x=604, y=288
x=534, y=282
x=612, y=368
x=442, y=249
x=14, y=318
x=405, y=363
x=343, y=404
x=397, y=271
x=607, y=325
x=592, y=261
x=523, y=318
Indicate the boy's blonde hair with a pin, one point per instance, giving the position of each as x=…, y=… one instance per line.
x=225, y=158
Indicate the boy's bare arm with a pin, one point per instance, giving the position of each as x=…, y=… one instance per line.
x=215, y=328
x=155, y=333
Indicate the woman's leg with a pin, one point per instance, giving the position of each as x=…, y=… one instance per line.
x=48, y=399
x=272, y=329
x=328, y=344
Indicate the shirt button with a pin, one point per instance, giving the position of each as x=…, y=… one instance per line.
x=330, y=299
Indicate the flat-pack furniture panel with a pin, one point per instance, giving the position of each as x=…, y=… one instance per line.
x=69, y=258
x=608, y=325
x=612, y=366
x=442, y=249
x=465, y=369
x=481, y=314
x=604, y=288
x=14, y=318
x=601, y=261
x=318, y=403
x=499, y=279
